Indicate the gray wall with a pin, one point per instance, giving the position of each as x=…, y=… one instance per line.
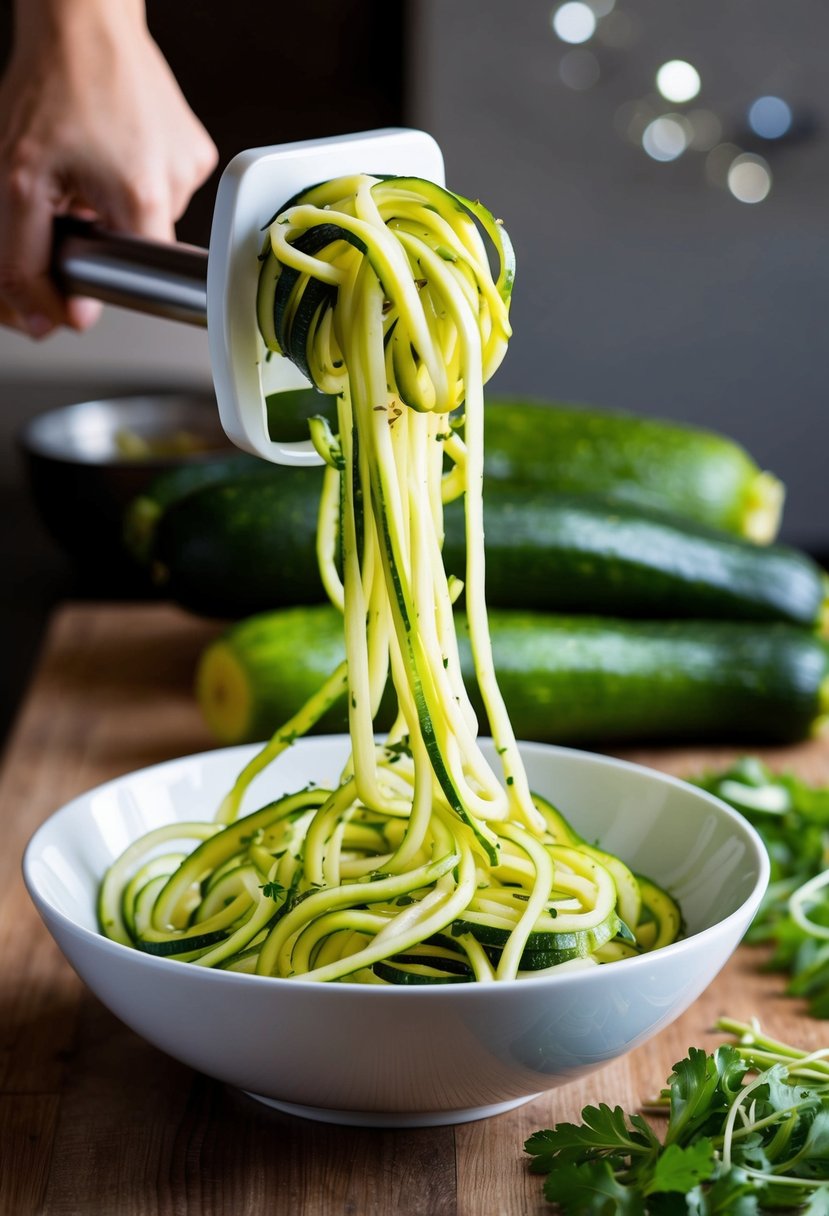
x=640, y=285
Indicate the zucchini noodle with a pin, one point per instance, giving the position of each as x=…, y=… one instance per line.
x=427, y=863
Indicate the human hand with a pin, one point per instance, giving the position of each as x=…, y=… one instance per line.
x=91, y=121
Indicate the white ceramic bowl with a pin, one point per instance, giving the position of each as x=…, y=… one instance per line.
x=387, y=1056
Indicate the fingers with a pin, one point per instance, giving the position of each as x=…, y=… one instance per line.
x=187, y=174
x=153, y=209
x=141, y=206
x=147, y=200
x=26, y=290
x=124, y=147
x=82, y=313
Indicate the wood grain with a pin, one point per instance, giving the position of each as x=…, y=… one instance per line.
x=94, y=1120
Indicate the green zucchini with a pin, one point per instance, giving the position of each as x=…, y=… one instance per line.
x=143, y=514
x=661, y=921
x=564, y=553
x=416, y=974
x=290, y=412
x=580, y=680
x=288, y=415
x=234, y=548
x=543, y=949
x=248, y=545
x=644, y=461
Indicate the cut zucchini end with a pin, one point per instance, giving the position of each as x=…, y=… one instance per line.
x=763, y=508
x=223, y=693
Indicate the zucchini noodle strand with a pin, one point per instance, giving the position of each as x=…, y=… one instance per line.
x=425, y=863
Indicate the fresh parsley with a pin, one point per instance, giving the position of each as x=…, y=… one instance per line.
x=747, y=1133
x=792, y=817
x=402, y=747
x=272, y=890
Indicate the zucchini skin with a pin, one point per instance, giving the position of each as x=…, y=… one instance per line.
x=248, y=545
x=562, y=553
x=288, y=414
x=598, y=680
x=647, y=462
x=143, y=514
x=239, y=547
x=578, y=680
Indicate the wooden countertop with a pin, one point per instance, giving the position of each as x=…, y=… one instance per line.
x=94, y=1120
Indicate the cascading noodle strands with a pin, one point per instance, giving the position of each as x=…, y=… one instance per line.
x=424, y=865
x=416, y=326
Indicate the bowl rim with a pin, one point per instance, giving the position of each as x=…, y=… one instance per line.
x=460, y=992
x=35, y=446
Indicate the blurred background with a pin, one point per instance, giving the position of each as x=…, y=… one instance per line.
x=661, y=168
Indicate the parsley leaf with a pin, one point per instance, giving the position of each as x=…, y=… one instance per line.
x=680, y=1169
x=747, y=1133
x=592, y=1190
x=702, y=1087
x=603, y=1131
x=732, y=1194
x=272, y=890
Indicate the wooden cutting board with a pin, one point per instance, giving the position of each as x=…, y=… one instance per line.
x=94, y=1120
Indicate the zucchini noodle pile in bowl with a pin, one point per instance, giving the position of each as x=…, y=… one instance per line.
x=427, y=863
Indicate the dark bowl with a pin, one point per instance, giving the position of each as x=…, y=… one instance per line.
x=87, y=461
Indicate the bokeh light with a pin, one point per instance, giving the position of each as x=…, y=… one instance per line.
x=749, y=178
x=770, y=117
x=678, y=81
x=666, y=137
x=574, y=21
